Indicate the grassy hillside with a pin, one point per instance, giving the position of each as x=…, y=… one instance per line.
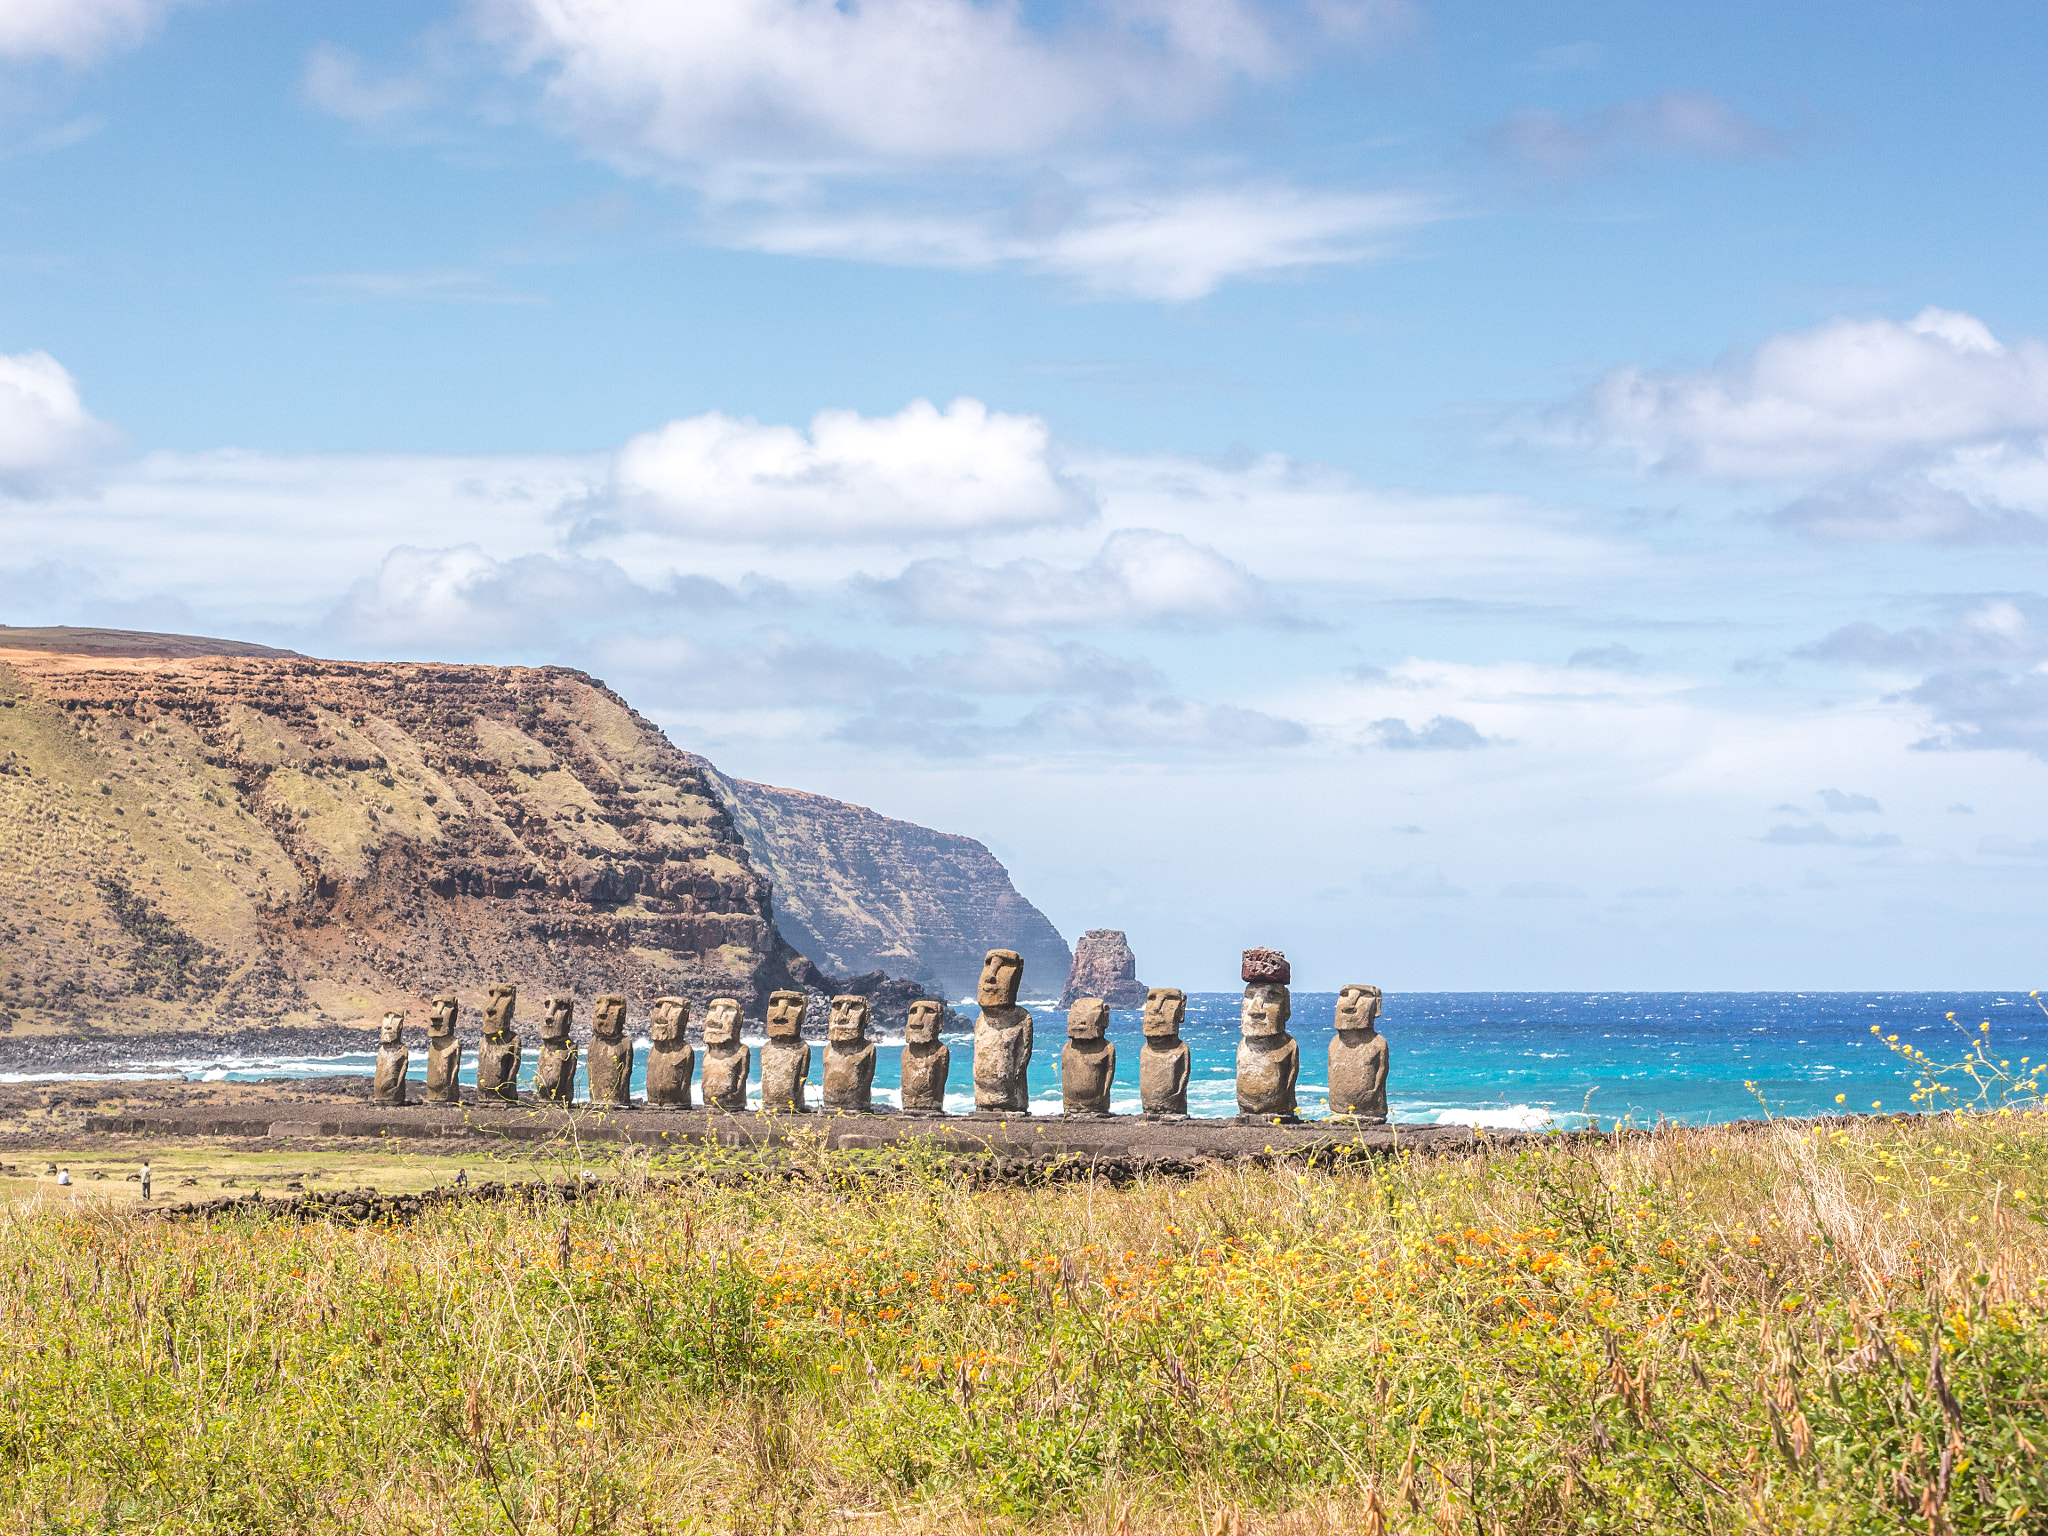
x=1792, y=1328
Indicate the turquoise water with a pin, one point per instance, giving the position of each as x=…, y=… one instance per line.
x=1505, y=1059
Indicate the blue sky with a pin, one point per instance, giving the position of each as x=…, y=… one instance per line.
x=1478, y=496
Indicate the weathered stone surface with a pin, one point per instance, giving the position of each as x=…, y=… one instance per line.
x=857, y=891
x=1165, y=1062
x=849, y=1070
x=1359, y=1056
x=1268, y=1058
x=727, y=1060
x=388, y=1086
x=498, y=1053
x=1104, y=967
x=1266, y=965
x=786, y=1057
x=927, y=1061
x=610, y=1066
x=444, y=1052
x=1002, y=1036
x=1087, y=1060
x=671, y=1061
x=555, y=1077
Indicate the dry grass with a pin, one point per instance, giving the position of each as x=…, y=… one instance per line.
x=1797, y=1329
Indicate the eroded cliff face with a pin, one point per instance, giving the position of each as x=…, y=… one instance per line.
x=236, y=840
x=859, y=891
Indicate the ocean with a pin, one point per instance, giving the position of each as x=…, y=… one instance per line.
x=1521, y=1060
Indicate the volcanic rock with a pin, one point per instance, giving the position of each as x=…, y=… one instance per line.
x=1104, y=967
x=1266, y=965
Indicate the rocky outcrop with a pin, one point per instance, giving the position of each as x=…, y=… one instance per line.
x=1104, y=967
x=858, y=891
x=229, y=841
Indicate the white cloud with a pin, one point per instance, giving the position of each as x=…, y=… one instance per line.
x=335, y=82
x=921, y=473
x=45, y=431
x=76, y=31
x=1140, y=576
x=1689, y=124
x=1848, y=397
x=1027, y=664
x=1165, y=722
x=1173, y=245
x=1444, y=733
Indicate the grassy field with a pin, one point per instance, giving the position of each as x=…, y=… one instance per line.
x=1793, y=1328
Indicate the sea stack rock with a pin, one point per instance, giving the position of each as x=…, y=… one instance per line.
x=388, y=1087
x=1268, y=1059
x=926, y=1061
x=1104, y=967
x=497, y=1056
x=670, y=1060
x=444, y=1052
x=1002, y=1038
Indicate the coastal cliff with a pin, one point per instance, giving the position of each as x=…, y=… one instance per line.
x=204, y=835
x=859, y=891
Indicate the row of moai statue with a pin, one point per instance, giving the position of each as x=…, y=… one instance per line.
x=1268, y=1057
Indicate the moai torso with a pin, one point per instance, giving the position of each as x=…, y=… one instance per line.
x=555, y=1080
x=1268, y=1060
x=670, y=1060
x=497, y=1054
x=388, y=1086
x=1164, y=1063
x=444, y=1053
x=727, y=1061
x=1087, y=1060
x=849, y=1077
x=926, y=1061
x=1002, y=1037
x=1358, y=1057
x=611, y=1054
x=786, y=1057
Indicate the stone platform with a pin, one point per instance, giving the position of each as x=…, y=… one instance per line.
x=1124, y=1138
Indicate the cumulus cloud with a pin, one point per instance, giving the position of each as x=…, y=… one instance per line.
x=76, y=31
x=2007, y=629
x=46, y=434
x=1027, y=664
x=1140, y=577
x=1907, y=508
x=921, y=473
x=1984, y=710
x=1445, y=733
x=1848, y=397
x=1843, y=803
x=1688, y=124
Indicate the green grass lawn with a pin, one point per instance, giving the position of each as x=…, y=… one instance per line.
x=1786, y=1329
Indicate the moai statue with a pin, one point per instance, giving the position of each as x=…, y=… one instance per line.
x=786, y=1058
x=849, y=1059
x=444, y=1052
x=727, y=1060
x=388, y=1086
x=611, y=1055
x=1002, y=1037
x=1164, y=1063
x=670, y=1060
x=497, y=1054
x=555, y=1081
x=1268, y=1060
x=1088, y=1060
x=1358, y=1057
x=926, y=1060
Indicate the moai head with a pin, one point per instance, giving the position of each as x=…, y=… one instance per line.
x=609, y=1022
x=849, y=1022
x=670, y=1019
x=1165, y=1009
x=922, y=1027
x=392, y=1030
x=1002, y=971
x=561, y=1013
x=498, y=1011
x=441, y=1021
x=1088, y=1019
x=785, y=1015
x=1266, y=965
x=1358, y=1006
x=722, y=1021
x=1265, y=1009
